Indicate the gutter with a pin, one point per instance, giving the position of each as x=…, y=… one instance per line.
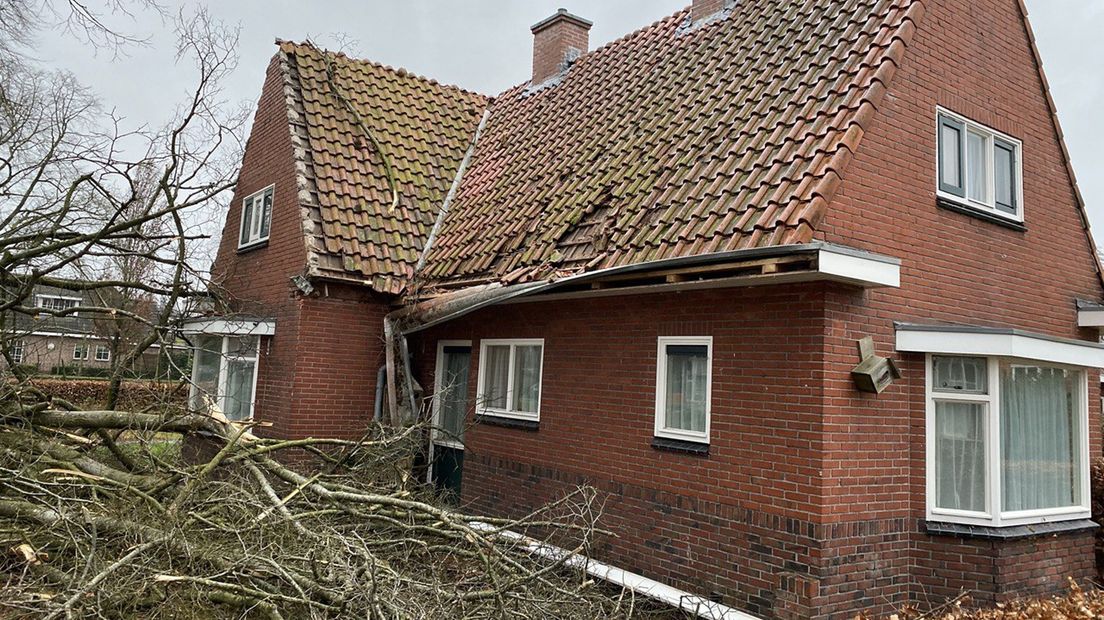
x=655, y=590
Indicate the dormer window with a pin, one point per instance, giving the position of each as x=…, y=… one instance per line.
x=57, y=303
x=979, y=168
x=256, y=218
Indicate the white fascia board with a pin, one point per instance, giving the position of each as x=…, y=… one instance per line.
x=956, y=340
x=868, y=271
x=231, y=327
x=1090, y=317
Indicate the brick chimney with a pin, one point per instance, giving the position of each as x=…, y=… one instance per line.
x=704, y=9
x=557, y=41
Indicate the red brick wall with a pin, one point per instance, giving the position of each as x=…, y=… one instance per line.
x=792, y=437
x=736, y=522
x=317, y=374
x=974, y=59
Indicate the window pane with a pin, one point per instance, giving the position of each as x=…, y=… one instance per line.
x=1040, y=437
x=527, y=369
x=239, y=389
x=977, y=168
x=247, y=221
x=206, y=377
x=960, y=456
x=266, y=214
x=454, y=391
x=245, y=346
x=967, y=375
x=496, y=369
x=1005, y=160
x=685, y=401
x=949, y=148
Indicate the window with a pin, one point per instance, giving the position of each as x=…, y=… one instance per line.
x=224, y=375
x=80, y=351
x=510, y=378
x=979, y=167
x=58, y=304
x=103, y=353
x=256, y=218
x=17, y=352
x=1007, y=441
x=683, y=388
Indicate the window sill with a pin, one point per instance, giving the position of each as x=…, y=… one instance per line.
x=494, y=420
x=965, y=209
x=679, y=445
x=256, y=245
x=1014, y=532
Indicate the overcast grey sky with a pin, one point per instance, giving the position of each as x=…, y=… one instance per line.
x=485, y=45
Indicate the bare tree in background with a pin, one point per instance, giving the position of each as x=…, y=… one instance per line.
x=99, y=515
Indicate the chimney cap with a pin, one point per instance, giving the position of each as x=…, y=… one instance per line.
x=561, y=14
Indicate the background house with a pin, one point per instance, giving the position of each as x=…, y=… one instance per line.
x=75, y=343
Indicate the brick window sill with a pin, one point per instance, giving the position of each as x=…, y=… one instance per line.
x=677, y=445
x=494, y=420
x=253, y=246
x=1016, y=532
x=958, y=207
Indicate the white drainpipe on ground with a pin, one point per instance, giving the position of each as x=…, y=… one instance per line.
x=681, y=599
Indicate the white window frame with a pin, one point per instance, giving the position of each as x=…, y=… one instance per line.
x=513, y=343
x=17, y=351
x=993, y=515
x=989, y=206
x=77, y=349
x=439, y=438
x=661, y=429
x=224, y=364
x=40, y=302
x=106, y=357
x=256, y=222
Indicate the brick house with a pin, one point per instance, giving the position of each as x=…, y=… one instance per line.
x=649, y=269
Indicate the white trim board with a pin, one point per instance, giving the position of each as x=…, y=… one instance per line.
x=1090, y=317
x=998, y=342
x=231, y=327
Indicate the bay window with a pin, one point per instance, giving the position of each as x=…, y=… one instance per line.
x=509, y=383
x=224, y=375
x=1007, y=440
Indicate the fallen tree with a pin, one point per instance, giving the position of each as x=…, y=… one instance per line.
x=99, y=519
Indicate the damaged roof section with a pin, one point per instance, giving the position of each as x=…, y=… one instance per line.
x=675, y=142
x=404, y=133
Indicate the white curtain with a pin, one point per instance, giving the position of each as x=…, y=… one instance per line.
x=1040, y=438
x=687, y=372
x=495, y=376
x=960, y=455
x=239, y=389
x=527, y=368
x=977, y=169
x=208, y=354
x=454, y=396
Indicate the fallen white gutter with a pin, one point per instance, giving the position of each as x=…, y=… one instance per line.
x=680, y=599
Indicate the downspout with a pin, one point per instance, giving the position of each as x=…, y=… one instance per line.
x=377, y=410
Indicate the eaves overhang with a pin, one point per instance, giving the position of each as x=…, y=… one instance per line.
x=784, y=264
x=230, y=326
x=997, y=342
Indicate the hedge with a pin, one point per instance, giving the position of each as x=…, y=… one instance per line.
x=134, y=395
